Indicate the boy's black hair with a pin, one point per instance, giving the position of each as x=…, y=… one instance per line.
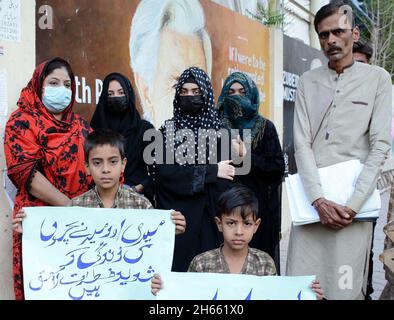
x=238, y=197
x=363, y=48
x=330, y=9
x=101, y=137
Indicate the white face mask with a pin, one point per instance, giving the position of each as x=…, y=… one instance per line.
x=56, y=99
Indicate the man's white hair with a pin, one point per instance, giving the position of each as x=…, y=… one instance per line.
x=182, y=16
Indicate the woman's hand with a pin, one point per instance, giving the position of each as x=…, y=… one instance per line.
x=139, y=188
x=42, y=189
x=226, y=170
x=238, y=147
x=180, y=222
x=17, y=221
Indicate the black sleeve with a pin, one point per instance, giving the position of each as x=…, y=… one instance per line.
x=146, y=126
x=95, y=121
x=185, y=180
x=267, y=158
x=148, y=187
x=147, y=182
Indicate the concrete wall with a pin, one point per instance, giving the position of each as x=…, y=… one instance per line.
x=18, y=61
x=315, y=6
x=299, y=22
x=276, y=93
x=244, y=7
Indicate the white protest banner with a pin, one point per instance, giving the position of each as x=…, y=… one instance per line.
x=90, y=254
x=220, y=286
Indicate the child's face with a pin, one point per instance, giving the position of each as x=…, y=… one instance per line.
x=237, y=232
x=105, y=166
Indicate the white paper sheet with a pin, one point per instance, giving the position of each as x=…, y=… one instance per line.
x=338, y=184
x=10, y=20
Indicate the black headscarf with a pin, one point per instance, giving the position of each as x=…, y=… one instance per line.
x=103, y=118
x=206, y=119
x=242, y=112
x=129, y=124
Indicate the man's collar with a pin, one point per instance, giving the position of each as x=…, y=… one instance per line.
x=345, y=69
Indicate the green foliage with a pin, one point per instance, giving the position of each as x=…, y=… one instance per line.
x=267, y=16
x=378, y=30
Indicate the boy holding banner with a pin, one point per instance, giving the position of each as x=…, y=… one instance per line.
x=105, y=161
x=237, y=220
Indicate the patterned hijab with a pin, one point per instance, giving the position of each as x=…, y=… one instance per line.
x=242, y=112
x=206, y=119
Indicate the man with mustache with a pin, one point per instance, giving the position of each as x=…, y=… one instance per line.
x=342, y=112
